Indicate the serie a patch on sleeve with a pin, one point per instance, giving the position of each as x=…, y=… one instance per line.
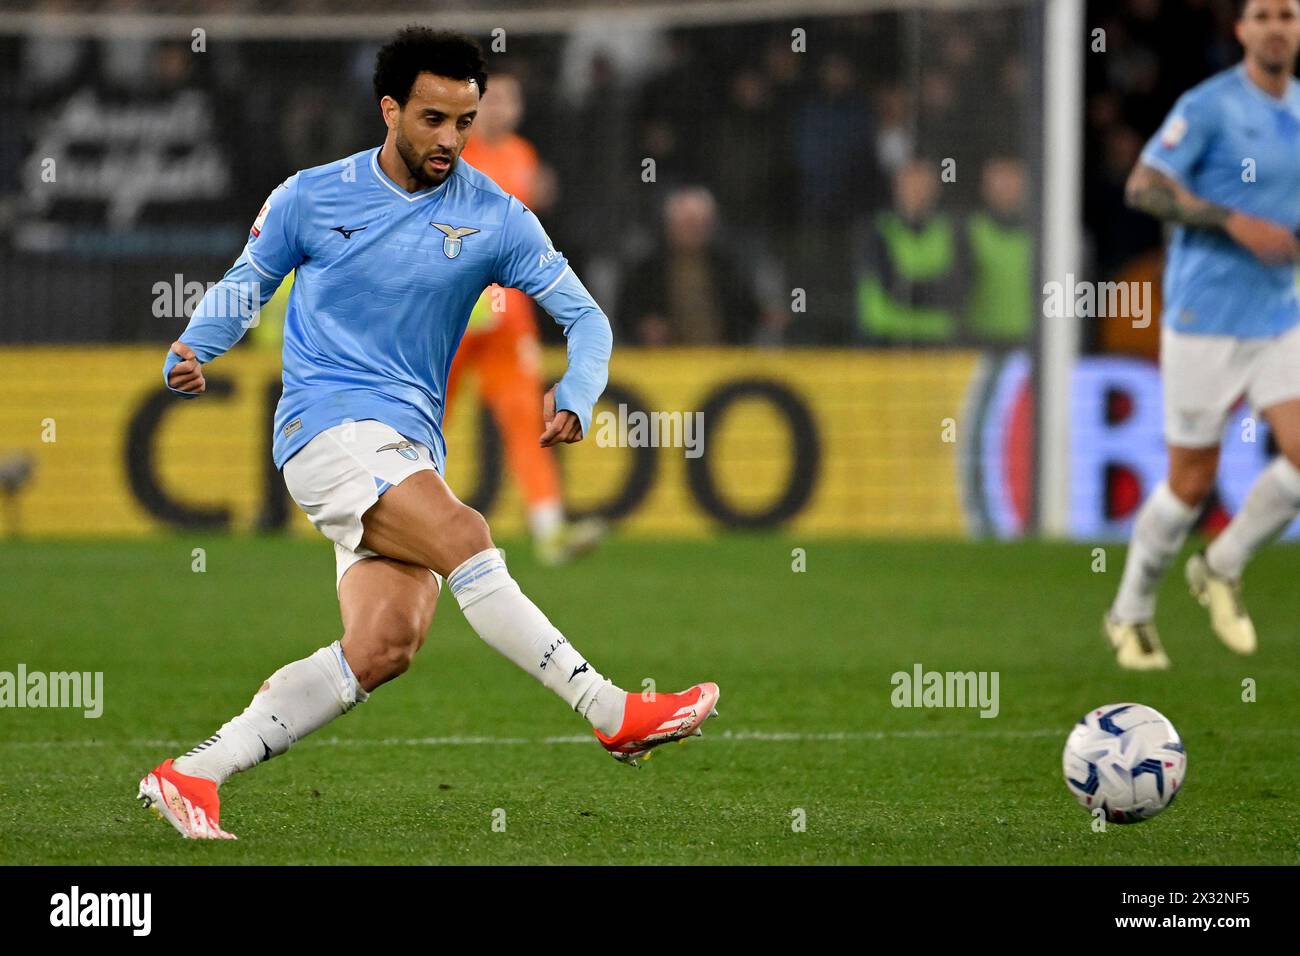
x=261, y=218
x=1173, y=132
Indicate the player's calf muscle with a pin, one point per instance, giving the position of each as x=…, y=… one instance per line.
x=381, y=644
x=387, y=609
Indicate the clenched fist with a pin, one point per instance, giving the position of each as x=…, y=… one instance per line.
x=187, y=374
x=562, y=427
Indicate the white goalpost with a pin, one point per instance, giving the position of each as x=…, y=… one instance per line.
x=1064, y=41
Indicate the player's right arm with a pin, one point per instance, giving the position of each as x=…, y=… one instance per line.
x=229, y=307
x=1156, y=185
x=1154, y=192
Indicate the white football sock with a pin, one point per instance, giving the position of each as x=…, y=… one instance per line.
x=512, y=625
x=1159, y=532
x=1273, y=502
x=299, y=698
x=545, y=519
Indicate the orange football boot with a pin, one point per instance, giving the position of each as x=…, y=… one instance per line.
x=188, y=803
x=654, y=719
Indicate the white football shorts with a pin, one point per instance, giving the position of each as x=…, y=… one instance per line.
x=1203, y=376
x=339, y=475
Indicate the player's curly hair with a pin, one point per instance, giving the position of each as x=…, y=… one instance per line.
x=417, y=50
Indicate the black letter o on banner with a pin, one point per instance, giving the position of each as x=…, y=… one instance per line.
x=803, y=471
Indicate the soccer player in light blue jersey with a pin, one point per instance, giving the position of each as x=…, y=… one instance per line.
x=1224, y=170
x=392, y=247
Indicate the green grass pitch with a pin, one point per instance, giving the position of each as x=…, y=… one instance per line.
x=804, y=661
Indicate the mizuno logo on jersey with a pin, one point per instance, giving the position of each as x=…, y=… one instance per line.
x=347, y=233
x=454, y=235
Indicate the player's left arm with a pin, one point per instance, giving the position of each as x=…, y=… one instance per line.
x=530, y=263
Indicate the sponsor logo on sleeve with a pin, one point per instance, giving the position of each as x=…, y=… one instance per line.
x=548, y=255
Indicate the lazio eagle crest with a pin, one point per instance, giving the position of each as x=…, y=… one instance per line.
x=403, y=448
x=453, y=236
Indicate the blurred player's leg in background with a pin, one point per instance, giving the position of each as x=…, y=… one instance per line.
x=1273, y=503
x=1161, y=528
x=503, y=349
x=510, y=385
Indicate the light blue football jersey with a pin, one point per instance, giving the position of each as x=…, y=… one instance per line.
x=1229, y=142
x=384, y=286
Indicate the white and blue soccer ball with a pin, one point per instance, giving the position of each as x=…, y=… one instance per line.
x=1126, y=759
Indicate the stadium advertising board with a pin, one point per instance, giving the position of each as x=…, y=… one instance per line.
x=684, y=441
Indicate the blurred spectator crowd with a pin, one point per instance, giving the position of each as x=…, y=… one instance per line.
x=831, y=180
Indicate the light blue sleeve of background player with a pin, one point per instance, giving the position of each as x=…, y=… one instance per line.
x=530, y=263
x=1183, y=138
x=228, y=309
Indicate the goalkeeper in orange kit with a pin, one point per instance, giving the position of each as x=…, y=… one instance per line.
x=501, y=341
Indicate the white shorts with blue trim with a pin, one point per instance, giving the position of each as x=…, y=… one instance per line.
x=1204, y=376
x=339, y=475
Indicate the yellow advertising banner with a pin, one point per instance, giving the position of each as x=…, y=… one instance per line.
x=685, y=441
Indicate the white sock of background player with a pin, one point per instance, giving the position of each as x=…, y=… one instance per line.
x=1162, y=525
x=1273, y=502
x=545, y=519
x=298, y=699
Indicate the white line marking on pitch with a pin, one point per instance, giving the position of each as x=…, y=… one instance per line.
x=761, y=736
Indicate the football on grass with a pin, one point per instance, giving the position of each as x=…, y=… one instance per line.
x=1126, y=759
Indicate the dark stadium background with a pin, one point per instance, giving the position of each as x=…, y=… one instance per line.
x=167, y=154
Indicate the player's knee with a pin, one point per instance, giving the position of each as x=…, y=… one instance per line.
x=1192, y=481
x=1191, y=491
x=469, y=530
x=397, y=655
x=1193, y=485
x=1191, y=488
